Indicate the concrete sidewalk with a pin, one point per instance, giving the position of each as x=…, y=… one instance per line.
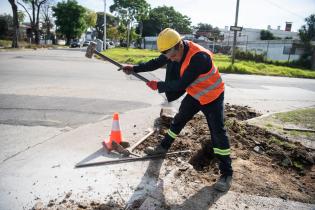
x=46, y=170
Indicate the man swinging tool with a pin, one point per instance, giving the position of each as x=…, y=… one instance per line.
x=190, y=69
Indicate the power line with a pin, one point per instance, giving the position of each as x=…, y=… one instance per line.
x=285, y=9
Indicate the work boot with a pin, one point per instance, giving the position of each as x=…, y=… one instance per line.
x=224, y=183
x=155, y=150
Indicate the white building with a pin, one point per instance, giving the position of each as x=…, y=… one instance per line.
x=250, y=34
x=149, y=42
x=286, y=46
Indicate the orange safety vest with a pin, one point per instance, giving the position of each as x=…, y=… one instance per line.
x=207, y=87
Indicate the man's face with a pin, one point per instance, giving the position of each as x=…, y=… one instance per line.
x=173, y=54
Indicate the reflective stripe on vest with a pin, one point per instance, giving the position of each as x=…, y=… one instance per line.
x=204, y=78
x=207, y=87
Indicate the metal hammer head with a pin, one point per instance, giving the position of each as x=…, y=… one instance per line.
x=90, y=50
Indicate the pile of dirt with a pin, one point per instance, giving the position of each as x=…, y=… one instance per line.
x=68, y=203
x=263, y=163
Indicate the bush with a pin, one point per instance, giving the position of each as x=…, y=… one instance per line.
x=249, y=56
x=261, y=58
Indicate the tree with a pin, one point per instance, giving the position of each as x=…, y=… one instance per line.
x=16, y=27
x=163, y=17
x=204, y=29
x=111, y=21
x=21, y=16
x=130, y=11
x=266, y=35
x=34, y=7
x=112, y=33
x=307, y=34
x=6, y=22
x=90, y=18
x=71, y=27
x=47, y=17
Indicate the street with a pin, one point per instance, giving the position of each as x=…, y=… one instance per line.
x=56, y=108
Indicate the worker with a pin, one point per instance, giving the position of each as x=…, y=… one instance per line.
x=190, y=68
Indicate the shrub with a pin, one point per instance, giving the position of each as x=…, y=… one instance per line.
x=249, y=56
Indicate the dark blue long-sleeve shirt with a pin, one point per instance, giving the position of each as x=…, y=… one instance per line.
x=200, y=63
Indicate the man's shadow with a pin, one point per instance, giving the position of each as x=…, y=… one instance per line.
x=151, y=189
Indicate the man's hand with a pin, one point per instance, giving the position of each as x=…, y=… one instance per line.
x=152, y=85
x=128, y=69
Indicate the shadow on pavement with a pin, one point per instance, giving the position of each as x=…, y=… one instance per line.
x=149, y=187
x=202, y=200
x=149, y=194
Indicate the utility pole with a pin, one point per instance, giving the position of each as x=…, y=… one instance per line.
x=104, y=38
x=235, y=32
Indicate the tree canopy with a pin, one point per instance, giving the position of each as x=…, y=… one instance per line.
x=6, y=21
x=266, y=35
x=129, y=12
x=90, y=18
x=205, y=29
x=307, y=34
x=163, y=17
x=307, y=31
x=70, y=19
x=111, y=23
x=134, y=9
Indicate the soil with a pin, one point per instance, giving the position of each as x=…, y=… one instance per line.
x=264, y=164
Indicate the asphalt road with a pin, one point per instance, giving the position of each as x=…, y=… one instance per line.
x=48, y=95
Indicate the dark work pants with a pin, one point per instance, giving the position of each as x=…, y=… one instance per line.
x=214, y=113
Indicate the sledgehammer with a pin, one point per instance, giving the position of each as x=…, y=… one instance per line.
x=91, y=49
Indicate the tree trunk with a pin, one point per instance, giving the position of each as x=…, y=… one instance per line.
x=68, y=39
x=15, y=43
x=34, y=20
x=37, y=38
x=313, y=60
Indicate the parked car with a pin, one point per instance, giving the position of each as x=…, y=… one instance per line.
x=86, y=43
x=75, y=43
x=110, y=44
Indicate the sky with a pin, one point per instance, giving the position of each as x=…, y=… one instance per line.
x=220, y=13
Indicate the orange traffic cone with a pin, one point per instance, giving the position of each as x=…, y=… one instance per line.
x=115, y=134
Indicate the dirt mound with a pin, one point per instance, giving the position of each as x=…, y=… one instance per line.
x=263, y=163
x=68, y=203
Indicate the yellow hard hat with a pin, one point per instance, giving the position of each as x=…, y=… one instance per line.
x=167, y=39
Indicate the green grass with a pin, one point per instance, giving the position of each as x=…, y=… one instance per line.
x=5, y=43
x=301, y=118
x=297, y=117
x=131, y=56
x=298, y=165
x=285, y=144
x=223, y=62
